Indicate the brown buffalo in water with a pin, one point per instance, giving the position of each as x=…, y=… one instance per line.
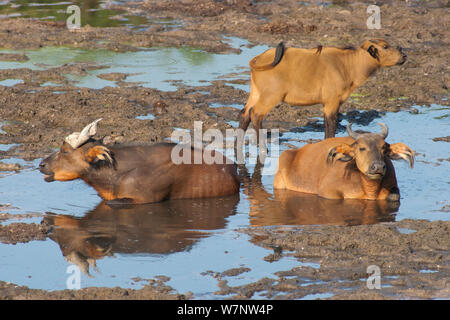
x=137, y=174
x=286, y=207
x=355, y=167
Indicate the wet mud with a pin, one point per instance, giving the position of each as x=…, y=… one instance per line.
x=22, y=232
x=413, y=257
x=154, y=290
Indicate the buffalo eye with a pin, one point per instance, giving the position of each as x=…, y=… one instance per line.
x=362, y=149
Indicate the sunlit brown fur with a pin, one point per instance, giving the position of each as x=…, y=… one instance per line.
x=303, y=77
x=140, y=174
x=343, y=168
x=286, y=207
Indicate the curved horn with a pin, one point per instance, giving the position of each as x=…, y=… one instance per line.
x=76, y=139
x=350, y=132
x=385, y=131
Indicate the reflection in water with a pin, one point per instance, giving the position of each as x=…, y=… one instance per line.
x=194, y=57
x=288, y=207
x=176, y=225
x=158, y=228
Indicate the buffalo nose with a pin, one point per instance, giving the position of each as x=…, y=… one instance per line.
x=400, y=49
x=377, y=167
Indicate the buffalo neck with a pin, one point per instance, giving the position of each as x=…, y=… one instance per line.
x=102, y=179
x=371, y=188
x=362, y=66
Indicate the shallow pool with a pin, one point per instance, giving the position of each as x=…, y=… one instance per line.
x=160, y=68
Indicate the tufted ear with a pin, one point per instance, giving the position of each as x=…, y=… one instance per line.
x=373, y=52
x=399, y=151
x=99, y=153
x=342, y=152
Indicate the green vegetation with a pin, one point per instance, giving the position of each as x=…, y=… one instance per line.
x=54, y=10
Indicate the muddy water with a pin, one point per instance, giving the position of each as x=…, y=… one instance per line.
x=187, y=238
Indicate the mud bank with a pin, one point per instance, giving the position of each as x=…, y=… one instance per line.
x=413, y=257
x=154, y=290
x=38, y=121
x=21, y=34
x=22, y=232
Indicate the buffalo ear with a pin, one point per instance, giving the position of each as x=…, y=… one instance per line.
x=99, y=153
x=342, y=152
x=373, y=52
x=399, y=151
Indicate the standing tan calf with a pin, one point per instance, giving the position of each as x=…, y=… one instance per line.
x=303, y=77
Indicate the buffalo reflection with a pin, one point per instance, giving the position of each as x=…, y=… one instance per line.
x=157, y=228
x=286, y=207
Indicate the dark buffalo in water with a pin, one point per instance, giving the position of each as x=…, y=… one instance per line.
x=138, y=174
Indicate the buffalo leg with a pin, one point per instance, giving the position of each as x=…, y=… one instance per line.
x=261, y=141
x=330, y=126
x=256, y=121
x=244, y=119
x=244, y=115
x=330, y=119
